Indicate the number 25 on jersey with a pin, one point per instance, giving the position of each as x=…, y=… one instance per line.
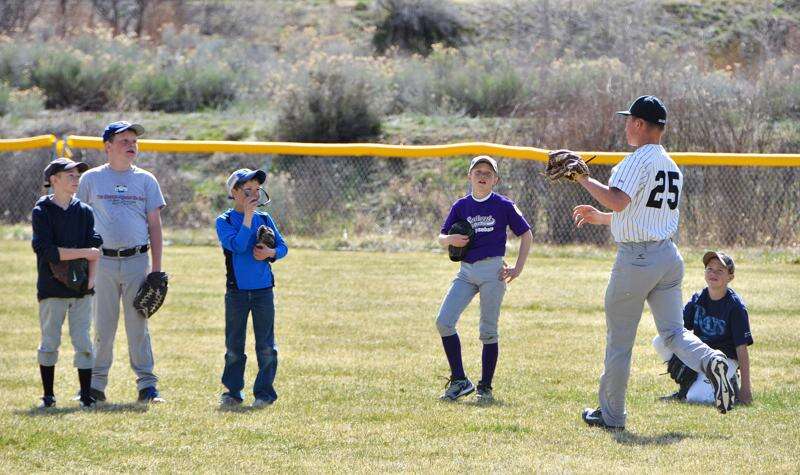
x=665, y=181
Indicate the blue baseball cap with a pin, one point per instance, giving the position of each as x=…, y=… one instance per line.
x=118, y=127
x=649, y=108
x=244, y=175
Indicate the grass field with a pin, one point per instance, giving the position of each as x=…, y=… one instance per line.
x=361, y=367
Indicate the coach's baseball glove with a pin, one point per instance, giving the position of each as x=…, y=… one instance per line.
x=681, y=374
x=74, y=274
x=460, y=227
x=266, y=236
x=565, y=164
x=151, y=294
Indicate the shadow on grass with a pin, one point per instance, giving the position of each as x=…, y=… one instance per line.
x=481, y=404
x=629, y=438
x=242, y=408
x=58, y=411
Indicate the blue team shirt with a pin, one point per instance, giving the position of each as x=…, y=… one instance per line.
x=489, y=218
x=244, y=272
x=721, y=324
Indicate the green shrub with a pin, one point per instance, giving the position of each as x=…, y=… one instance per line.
x=416, y=25
x=69, y=80
x=483, y=89
x=5, y=94
x=183, y=89
x=332, y=107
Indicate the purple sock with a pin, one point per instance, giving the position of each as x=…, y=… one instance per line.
x=452, y=348
x=489, y=362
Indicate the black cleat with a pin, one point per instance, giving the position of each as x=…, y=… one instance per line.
x=594, y=418
x=717, y=373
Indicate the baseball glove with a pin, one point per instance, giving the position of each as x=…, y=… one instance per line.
x=460, y=227
x=681, y=374
x=565, y=164
x=151, y=294
x=266, y=237
x=74, y=274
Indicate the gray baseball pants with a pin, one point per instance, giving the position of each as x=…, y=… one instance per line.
x=651, y=271
x=118, y=279
x=52, y=312
x=479, y=277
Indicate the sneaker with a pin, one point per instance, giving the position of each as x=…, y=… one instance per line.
x=47, y=402
x=228, y=400
x=717, y=373
x=484, y=393
x=88, y=403
x=456, y=388
x=262, y=402
x=594, y=418
x=148, y=395
x=96, y=394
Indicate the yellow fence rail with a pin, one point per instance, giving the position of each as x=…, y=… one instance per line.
x=40, y=141
x=395, y=151
x=426, y=151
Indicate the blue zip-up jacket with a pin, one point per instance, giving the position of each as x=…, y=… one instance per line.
x=243, y=271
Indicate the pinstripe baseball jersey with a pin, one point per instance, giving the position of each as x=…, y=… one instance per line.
x=653, y=182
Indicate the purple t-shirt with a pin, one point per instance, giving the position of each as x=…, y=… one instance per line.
x=489, y=218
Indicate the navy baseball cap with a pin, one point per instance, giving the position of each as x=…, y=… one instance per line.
x=62, y=164
x=649, y=108
x=244, y=175
x=118, y=127
x=725, y=259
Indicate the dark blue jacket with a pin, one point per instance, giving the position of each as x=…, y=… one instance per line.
x=55, y=227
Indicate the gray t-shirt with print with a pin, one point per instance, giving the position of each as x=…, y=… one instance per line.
x=121, y=202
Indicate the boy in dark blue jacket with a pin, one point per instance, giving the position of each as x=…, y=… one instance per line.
x=249, y=288
x=63, y=230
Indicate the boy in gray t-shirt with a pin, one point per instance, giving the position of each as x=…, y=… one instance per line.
x=127, y=204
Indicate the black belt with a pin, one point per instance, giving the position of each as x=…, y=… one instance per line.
x=131, y=251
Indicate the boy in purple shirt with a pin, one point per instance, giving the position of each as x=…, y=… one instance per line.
x=482, y=271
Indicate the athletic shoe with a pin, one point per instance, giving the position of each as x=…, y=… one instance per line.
x=717, y=373
x=262, y=402
x=47, y=402
x=594, y=418
x=88, y=403
x=484, y=393
x=227, y=400
x=456, y=388
x=148, y=395
x=96, y=394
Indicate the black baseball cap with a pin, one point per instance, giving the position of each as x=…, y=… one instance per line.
x=118, y=127
x=60, y=165
x=649, y=108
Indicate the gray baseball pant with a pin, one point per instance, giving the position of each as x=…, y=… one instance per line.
x=52, y=312
x=651, y=271
x=119, y=278
x=479, y=277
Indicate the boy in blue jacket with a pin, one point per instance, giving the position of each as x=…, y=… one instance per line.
x=249, y=288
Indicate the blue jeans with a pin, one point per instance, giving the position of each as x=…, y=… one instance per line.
x=238, y=304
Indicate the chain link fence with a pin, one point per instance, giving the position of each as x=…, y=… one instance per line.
x=326, y=197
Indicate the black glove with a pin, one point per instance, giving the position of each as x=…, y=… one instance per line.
x=151, y=294
x=681, y=374
x=464, y=228
x=73, y=274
